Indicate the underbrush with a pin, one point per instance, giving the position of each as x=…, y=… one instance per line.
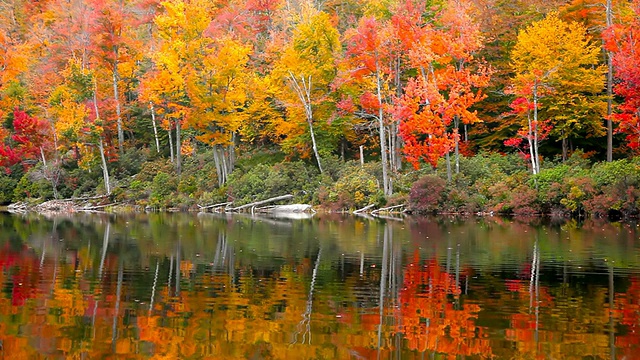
x=486, y=183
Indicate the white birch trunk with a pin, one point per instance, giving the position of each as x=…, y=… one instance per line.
x=116, y=97
x=383, y=141
x=155, y=126
x=171, y=156
x=303, y=90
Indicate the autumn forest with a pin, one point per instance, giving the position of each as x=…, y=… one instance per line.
x=522, y=106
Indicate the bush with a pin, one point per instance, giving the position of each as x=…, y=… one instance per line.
x=427, y=194
x=356, y=188
x=264, y=181
x=7, y=186
x=33, y=185
x=162, y=188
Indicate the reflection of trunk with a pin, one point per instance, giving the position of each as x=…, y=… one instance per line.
x=383, y=280
x=457, y=276
x=304, y=326
x=105, y=245
x=153, y=289
x=222, y=248
x=612, y=336
x=178, y=270
x=114, y=328
x=534, y=289
x=170, y=275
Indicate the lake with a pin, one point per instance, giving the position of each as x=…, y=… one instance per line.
x=216, y=286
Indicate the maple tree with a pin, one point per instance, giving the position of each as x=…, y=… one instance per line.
x=447, y=85
x=563, y=78
x=621, y=41
x=368, y=59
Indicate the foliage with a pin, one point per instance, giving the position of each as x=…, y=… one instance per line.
x=427, y=194
x=7, y=186
x=162, y=189
x=264, y=181
x=356, y=188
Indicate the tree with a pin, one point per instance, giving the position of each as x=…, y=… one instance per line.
x=307, y=69
x=369, y=60
x=447, y=85
x=623, y=44
x=181, y=48
x=556, y=68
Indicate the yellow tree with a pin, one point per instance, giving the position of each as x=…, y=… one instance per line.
x=306, y=69
x=219, y=93
x=180, y=51
x=556, y=68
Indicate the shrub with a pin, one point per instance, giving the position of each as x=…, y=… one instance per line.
x=609, y=173
x=7, y=186
x=427, y=194
x=356, y=188
x=162, y=188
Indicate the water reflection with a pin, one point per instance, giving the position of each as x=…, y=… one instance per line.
x=221, y=286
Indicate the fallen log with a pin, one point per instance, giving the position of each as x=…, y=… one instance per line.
x=225, y=204
x=292, y=208
x=92, y=208
x=387, y=209
x=364, y=209
x=261, y=202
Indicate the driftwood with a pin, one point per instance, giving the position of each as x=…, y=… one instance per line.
x=224, y=204
x=261, y=202
x=387, y=209
x=364, y=209
x=20, y=207
x=292, y=208
x=61, y=205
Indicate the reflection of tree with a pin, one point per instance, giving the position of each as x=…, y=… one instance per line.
x=304, y=326
x=433, y=319
x=626, y=309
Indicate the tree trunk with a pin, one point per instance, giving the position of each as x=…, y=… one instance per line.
x=315, y=146
x=535, y=127
x=532, y=154
x=386, y=184
x=216, y=163
x=116, y=97
x=172, y=157
x=456, y=137
x=178, y=148
x=105, y=170
x=303, y=90
x=448, y=160
x=155, y=126
x=609, y=11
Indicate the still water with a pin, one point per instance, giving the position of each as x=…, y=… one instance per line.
x=211, y=286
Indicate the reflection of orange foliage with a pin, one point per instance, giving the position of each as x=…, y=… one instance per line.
x=430, y=321
x=627, y=310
